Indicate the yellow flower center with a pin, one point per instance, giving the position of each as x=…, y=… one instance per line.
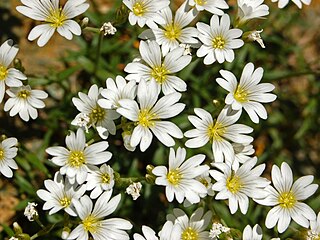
x=56, y=18
x=145, y=118
x=160, y=74
x=233, y=184
x=90, y=224
x=216, y=131
x=241, y=95
x=3, y=72
x=1, y=154
x=24, y=94
x=174, y=176
x=139, y=9
x=189, y=234
x=312, y=235
x=218, y=42
x=200, y=2
x=287, y=199
x=76, y=159
x=172, y=31
x=97, y=114
x=65, y=202
x=105, y=178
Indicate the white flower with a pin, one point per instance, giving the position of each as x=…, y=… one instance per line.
x=134, y=190
x=99, y=180
x=254, y=36
x=60, y=195
x=250, y=9
x=314, y=232
x=161, y=70
x=205, y=179
x=148, y=233
x=213, y=6
x=13, y=238
x=126, y=136
x=108, y=29
x=218, y=40
x=93, y=222
x=82, y=120
x=193, y=228
x=187, y=49
x=115, y=91
x=218, y=132
x=170, y=231
x=286, y=197
x=9, y=76
x=77, y=157
x=53, y=17
x=248, y=93
x=242, y=153
x=254, y=233
x=217, y=229
x=145, y=12
x=148, y=115
x=174, y=30
x=283, y=3
x=237, y=186
x=100, y=118
x=24, y=101
x=7, y=152
x=30, y=211
x=179, y=178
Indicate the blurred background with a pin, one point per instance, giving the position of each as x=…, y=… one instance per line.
x=63, y=68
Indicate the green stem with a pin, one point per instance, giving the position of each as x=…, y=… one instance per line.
x=40, y=223
x=294, y=74
x=96, y=66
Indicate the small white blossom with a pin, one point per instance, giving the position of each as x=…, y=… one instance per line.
x=255, y=36
x=161, y=69
x=60, y=194
x=250, y=9
x=148, y=234
x=100, y=118
x=30, y=211
x=146, y=12
x=285, y=196
x=148, y=115
x=242, y=153
x=187, y=49
x=217, y=229
x=25, y=101
x=53, y=18
x=283, y=3
x=100, y=180
x=9, y=76
x=217, y=132
x=82, y=120
x=179, y=178
x=237, y=186
x=192, y=227
x=174, y=30
x=93, y=222
x=249, y=93
x=314, y=232
x=254, y=233
x=75, y=160
x=108, y=29
x=134, y=190
x=8, y=151
x=115, y=91
x=212, y=6
x=218, y=40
